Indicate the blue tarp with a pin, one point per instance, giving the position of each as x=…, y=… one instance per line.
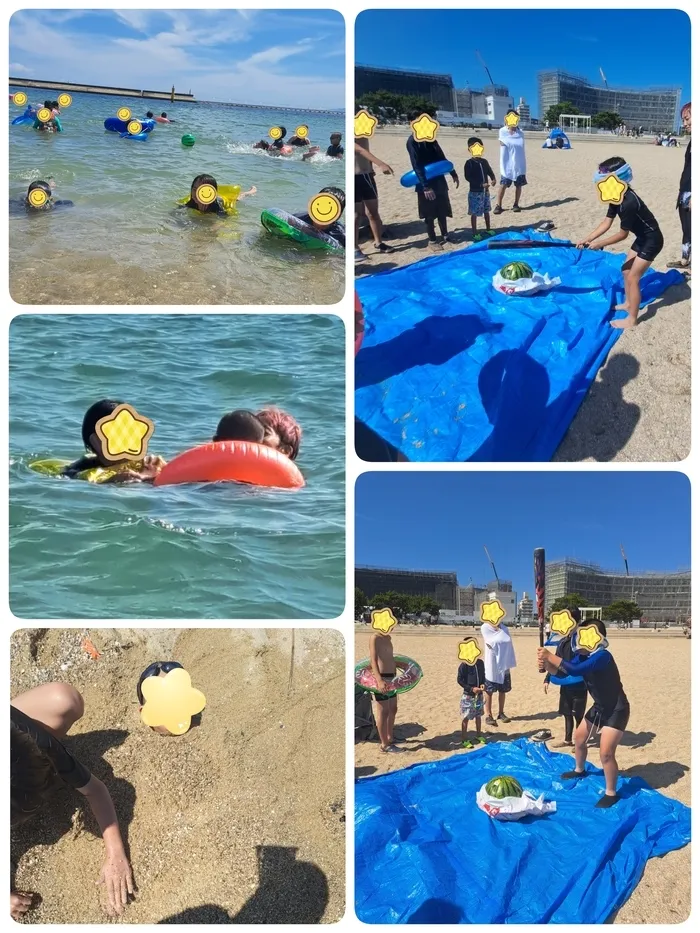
x=451, y=369
x=425, y=853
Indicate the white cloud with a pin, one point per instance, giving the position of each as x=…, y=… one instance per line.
x=18, y=69
x=276, y=54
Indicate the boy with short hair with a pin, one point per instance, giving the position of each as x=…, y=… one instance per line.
x=478, y=173
x=381, y=656
x=472, y=678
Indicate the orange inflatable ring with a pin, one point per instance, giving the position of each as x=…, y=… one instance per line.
x=233, y=461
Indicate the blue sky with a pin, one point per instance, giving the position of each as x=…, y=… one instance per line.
x=292, y=58
x=637, y=48
x=441, y=521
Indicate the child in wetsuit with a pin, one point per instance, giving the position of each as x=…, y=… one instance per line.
x=30, y=204
x=94, y=468
x=572, y=697
x=217, y=206
x=635, y=217
x=471, y=678
x=381, y=656
x=477, y=173
x=609, y=714
x=39, y=722
x=335, y=230
x=433, y=196
x=335, y=150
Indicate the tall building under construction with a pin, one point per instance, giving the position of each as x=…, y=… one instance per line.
x=662, y=597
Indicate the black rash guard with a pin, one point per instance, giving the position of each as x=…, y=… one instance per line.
x=635, y=217
x=602, y=679
x=68, y=768
x=471, y=675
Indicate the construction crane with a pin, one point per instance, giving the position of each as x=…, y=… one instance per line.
x=486, y=69
x=493, y=567
x=624, y=557
x=602, y=74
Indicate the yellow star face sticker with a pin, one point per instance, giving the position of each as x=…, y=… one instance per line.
x=365, y=124
x=171, y=701
x=611, y=190
x=563, y=623
x=588, y=638
x=425, y=129
x=302, y=131
x=44, y=115
x=124, y=114
x=124, y=434
x=476, y=150
x=64, y=100
x=492, y=612
x=19, y=99
x=511, y=118
x=469, y=651
x=134, y=127
x=325, y=208
x=275, y=132
x=383, y=620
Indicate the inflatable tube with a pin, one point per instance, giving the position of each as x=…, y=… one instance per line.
x=281, y=224
x=142, y=137
x=49, y=467
x=410, y=179
x=23, y=121
x=115, y=125
x=565, y=681
x=226, y=193
x=408, y=674
x=232, y=461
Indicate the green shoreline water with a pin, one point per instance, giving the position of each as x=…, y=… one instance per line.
x=124, y=243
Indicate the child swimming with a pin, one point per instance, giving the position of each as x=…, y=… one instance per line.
x=270, y=426
x=240, y=425
x=94, y=468
x=44, y=200
x=635, y=217
x=335, y=229
x=216, y=206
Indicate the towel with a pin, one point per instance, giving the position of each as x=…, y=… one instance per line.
x=512, y=153
x=500, y=655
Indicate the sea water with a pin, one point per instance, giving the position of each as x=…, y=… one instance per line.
x=214, y=551
x=124, y=242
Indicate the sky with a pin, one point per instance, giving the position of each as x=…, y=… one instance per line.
x=288, y=58
x=441, y=521
x=624, y=43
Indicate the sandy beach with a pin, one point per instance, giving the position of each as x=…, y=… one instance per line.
x=638, y=408
x=241, y=820
x=656, y=746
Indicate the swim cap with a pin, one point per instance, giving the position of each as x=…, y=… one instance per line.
x=153, y=670
x=624, y=173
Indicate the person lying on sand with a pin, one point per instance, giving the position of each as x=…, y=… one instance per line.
x=95, y=468
x=39, y=722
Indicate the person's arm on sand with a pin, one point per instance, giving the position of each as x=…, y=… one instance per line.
x=382, y=685
x=375, y=160
x=116, y=873
x=602, y=228
x=20, y=903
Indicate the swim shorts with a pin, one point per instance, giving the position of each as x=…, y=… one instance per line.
x=649, y=247
x=365, y=188
x=505, y=687
x=471, y=705
x=617, y=719
x=519, y=181
x=479, y=203
x=381, y=697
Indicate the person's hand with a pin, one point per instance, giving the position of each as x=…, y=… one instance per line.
x=119, y=883
x=383, y=686
x=493, y=183
x=584, y=244
x=20, y=903
x=546, y=687
x=153, y=464
x=455, y=179
x=429, y=194
x=594, y=246
x=386, y=169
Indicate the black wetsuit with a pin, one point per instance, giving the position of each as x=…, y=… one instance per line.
x=602, y=678
x=421, y=155
x=337, y=231
x=477, y=172
x=683, y=203
x=20, y=206
x=471, y=675
x=335, y=151
x=635, y=217
x=216, y=207
x=68, y=768
x=572, y=697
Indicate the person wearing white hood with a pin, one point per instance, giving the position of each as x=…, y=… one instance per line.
x=499, y=658
x=513, y=167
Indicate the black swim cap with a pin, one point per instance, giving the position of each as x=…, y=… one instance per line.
x=153, y=670
x=240, y=425
x=149, y=114
x=336, y=192
x=100, y=409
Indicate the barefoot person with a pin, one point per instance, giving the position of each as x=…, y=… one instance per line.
x=635, y=217
x=513, y=164
x=366, y=196
x=610, y=712
x=683, y=202
x=381, y=656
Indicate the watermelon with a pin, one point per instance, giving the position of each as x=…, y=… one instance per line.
x=504, y=786
x=516, y=270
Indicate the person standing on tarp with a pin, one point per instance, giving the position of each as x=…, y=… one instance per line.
x=683, y=202
x=513, y=167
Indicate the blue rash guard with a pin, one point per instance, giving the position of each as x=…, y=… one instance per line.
x=602, y=679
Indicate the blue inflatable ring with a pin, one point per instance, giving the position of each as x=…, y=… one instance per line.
x=410, y=179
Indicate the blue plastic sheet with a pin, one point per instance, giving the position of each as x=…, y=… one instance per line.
x=425, y=853
x=451, y=369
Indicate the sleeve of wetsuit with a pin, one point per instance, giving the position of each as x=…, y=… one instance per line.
x=462, y=676
x=613, y=211
x=417, y=168
x=596, y=662
x=68, y=768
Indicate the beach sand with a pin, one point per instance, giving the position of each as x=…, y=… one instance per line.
x=656, y=747
x=638, y=408
x=195, y=809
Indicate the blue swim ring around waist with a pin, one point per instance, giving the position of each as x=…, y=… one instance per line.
x=434, y=170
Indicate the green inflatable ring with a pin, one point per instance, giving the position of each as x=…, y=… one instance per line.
x=281, y=224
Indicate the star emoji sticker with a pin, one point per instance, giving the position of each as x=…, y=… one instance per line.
x=383, y=620
x=492, y=612
x=512, y=118
x=476, y=149
x=171, y=701
x=563, y=623
x=611, y=190
x=469, y=651
x=124, y=435
x=425, y=129
x=365, y=124
x=589, y=639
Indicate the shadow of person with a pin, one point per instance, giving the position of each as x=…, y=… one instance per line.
x=540, y=204
x=432, y=341
x=673, y=295
x=372, y=448
x=65, y=811
x=637, y=739
x=658, y=774
x=205, y=913
x=605, y=422
x=437, y=910
x=407, y=730
x=364, y=771
x=289, y=891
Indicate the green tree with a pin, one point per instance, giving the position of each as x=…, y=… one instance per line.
x=570, y=601
x=606, y=120
x=398, y=602
x=622, y=610
x=556, y=110
x=360, y=602
x=386, y=105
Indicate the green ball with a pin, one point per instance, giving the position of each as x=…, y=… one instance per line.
x=187, y=139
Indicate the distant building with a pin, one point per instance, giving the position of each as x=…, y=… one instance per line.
x=662, y=597
x=506, y=599
x=654, y=108
x=440, y=586
x=437, y=88
x=523, y=109
x=526, y=609
x=488, y=105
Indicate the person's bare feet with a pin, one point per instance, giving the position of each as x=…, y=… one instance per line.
x=623, y=307
x=20, y=903
x=625, y=323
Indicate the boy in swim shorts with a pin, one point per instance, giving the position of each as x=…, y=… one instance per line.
x=471, y=678
x=635, y=217
x=381, y=656
x=478, y=173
